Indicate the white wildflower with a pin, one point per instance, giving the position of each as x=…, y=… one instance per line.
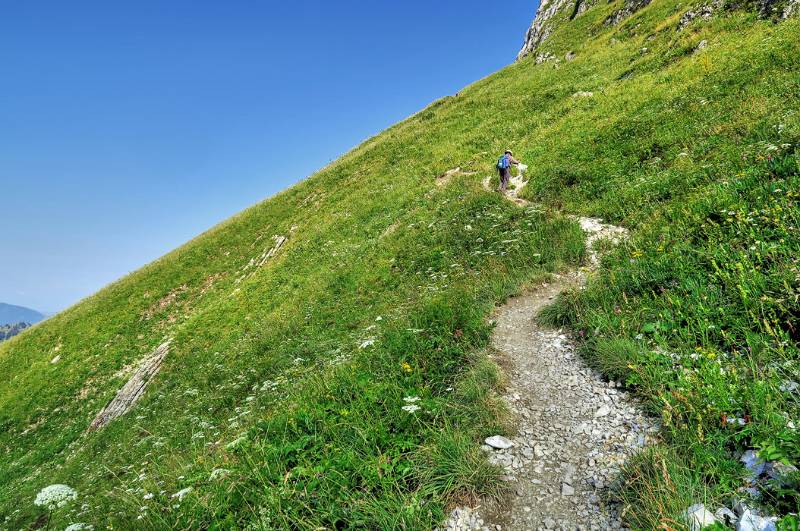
x=218, y=473
x=411, y=408
x=55, y=496
x=268, y=385
x=236, y=443
x=366, y=343
x=411, y=399
x=148, y=496
x=181, y=493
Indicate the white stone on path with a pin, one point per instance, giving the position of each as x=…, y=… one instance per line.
x=499, y=442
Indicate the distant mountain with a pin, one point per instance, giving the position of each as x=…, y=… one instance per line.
x=10, y=314
x=10, y=330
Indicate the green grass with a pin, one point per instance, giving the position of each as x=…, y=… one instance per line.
x=267, y=385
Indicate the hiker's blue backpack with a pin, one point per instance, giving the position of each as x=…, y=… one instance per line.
x=503, y=164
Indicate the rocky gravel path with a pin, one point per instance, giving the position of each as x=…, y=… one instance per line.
x=574, y=430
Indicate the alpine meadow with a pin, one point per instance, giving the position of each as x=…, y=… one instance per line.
x=323, y=359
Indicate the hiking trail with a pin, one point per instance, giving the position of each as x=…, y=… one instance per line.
x=574, y=430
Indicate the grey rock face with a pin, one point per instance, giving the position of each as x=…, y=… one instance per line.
x=542, y=25
x=540, y=29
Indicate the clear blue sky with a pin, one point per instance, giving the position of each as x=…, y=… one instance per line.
x=126, y=128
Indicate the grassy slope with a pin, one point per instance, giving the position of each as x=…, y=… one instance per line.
x=675, y=145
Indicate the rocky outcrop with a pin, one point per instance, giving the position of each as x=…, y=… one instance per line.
x=542, y=25
x=767, y=9
x=9, y=331
x=703, y=12
x=133, y=390
x=630, y=7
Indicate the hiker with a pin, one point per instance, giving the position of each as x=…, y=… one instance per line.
x=504, y=167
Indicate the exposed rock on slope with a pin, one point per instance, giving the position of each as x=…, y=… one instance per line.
x=9, y=331
x=544, y=23
x=630, y=7
x=133, y=389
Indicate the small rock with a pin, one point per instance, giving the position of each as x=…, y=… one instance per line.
x=499, y=442
x=752, y=521
x=725, y=515
x=753, y=463
x=698, y=517
x=567, y=490
x=702, y=45
x=603, y=411
x=549, y=523
x=740, y=507
x=583, y=94
x=527, y=453
x=56, y=359
x=789, y=386
x=570, y=56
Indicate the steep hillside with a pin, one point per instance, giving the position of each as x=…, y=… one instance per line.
x=286, y=348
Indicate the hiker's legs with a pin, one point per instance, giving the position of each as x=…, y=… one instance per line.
x=504, y=176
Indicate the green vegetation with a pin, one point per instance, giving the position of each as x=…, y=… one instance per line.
x=280, y=403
